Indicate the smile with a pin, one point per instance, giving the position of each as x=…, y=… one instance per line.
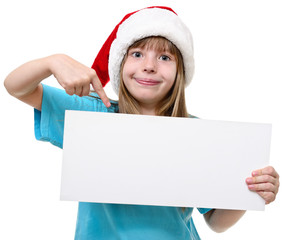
x=147, y=82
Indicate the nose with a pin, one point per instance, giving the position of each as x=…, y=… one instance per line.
x=149, y=65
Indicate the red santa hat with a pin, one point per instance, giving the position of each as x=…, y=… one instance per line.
x=147, y=22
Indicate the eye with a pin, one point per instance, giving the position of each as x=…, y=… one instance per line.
x=165, y=58
x=136, y=54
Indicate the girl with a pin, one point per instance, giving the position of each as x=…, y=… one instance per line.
x=149, y=60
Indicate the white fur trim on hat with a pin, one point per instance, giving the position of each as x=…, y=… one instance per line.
x=145, y=23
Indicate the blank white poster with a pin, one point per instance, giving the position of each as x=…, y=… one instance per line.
x=164, y=161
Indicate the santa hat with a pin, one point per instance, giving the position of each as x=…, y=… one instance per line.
x=152, y=21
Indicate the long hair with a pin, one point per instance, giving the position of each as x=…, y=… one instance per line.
x=173, y=104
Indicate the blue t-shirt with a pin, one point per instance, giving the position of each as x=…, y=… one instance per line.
x=110, y=221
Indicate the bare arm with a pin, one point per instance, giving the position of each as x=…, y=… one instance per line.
x=24, y=82
x=219, y=220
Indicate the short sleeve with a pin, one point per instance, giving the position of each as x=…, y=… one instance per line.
x=204, y=210
x=49, y=122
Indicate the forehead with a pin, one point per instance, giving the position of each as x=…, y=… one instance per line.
x=159, y=44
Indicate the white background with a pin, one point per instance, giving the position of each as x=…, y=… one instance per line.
x=239, y=56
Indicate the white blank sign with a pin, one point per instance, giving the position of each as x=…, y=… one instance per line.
x=164, y=161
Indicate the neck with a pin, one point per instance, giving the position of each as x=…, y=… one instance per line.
x=147, y=110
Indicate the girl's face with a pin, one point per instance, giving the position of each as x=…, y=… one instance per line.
x=149, y=74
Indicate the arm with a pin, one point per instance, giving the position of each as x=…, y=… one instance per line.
x=219, y=220
x=24, y=82
x=264, y=181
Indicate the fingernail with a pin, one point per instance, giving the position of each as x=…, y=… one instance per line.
x=249, y=180
x=251, y=187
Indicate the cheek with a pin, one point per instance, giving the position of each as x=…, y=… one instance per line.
x=172, y=74
x=126, y=70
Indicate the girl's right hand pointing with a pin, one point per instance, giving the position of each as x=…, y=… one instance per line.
x=75, y=77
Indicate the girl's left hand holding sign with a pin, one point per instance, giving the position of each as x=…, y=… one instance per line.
x=265, y=182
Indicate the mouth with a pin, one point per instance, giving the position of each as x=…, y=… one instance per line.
x=147, y=81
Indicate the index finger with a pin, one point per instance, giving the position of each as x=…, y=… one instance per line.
x=265, y=171
x=100, y=91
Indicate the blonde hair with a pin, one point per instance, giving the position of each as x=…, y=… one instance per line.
x=173, y=103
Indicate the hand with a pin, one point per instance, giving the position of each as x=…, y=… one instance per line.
x=265, y=182
x=76, y=78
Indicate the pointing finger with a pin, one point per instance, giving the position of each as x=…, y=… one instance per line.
x=100, y=91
